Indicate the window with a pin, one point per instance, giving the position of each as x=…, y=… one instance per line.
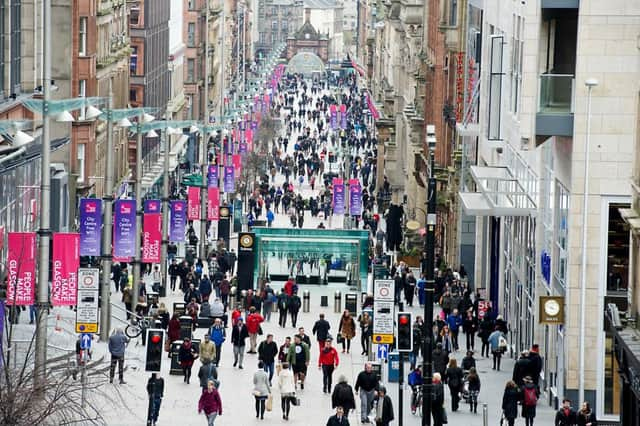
x=516, y=62
x=133, y=62
x=2, y=43
x=133, y=96
x=82, y=93
x=262, y=37
x=134, y=17
x=274, y=37
x=495, y=87
x=192, y=4
x=453, y=13
x=285, y=26
x=16, y=46
x=191, y=34
x=80, y=163
x=191, y=70
x=274, y=25
x=561, y=227
x=82, y=41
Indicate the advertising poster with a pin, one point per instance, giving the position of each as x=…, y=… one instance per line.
x=178, y=221
x=124, y=229
x=338, y=196
x=64, y=268
x=193, y=203
x=90, y=226
x=213, y=204
x=21, y=268
x=229, y=179
x=355, y=197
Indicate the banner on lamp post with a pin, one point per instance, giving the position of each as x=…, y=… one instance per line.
x=242, y=148
x=178, y=221
x=338, y=196
x=151, y=237
x=66, y=261
x=237, y=163
x=21, y=268
x=193, y=203
x=152, y=206
x=355, y=197
x=90, y=226
x=213, y=203
x=229, y=179
x=212, y=176
x=333, y=117
x=343, y=116
x=124, y=229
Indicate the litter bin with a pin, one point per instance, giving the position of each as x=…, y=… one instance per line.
x=337, y=302
x=232, y=298
x=179, y=308
x=376, y=367
x=186, y=327
x=175, y=368
x=243, y=296
x=394, y=367
x=306, y=301
x=351, y=303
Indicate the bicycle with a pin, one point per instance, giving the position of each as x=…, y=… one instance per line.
x=136, y=328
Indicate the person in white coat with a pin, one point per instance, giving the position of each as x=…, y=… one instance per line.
x=287, y=387
x=261, y=389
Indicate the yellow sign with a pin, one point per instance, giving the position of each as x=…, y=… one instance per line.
x=382, y=338
x=86, y=328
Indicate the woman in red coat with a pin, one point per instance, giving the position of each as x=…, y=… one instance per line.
x=174, y=328
x=186, y=355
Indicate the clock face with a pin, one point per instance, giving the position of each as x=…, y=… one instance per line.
x=552, y=308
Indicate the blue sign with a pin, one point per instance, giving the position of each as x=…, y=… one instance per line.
x=85, y=341
x=383, y=351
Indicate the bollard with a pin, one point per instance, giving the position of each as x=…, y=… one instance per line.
x=306, y=301
x=243, y=296
x=233, y=293
x=337, y=302
x=485, y=415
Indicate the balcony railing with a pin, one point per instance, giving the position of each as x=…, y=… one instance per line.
x=556, y=93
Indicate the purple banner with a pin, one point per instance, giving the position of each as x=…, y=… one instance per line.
x=124, y=229
x=212, y=176
x=254, y=125
x=229, y=179
x=90, y=226
x=1, y=332
x=338, y=198
x=241, y=124
x=178, y=221
x=242, y=148
x=355, y=199
x=152, y=206
x=334, y=117
x=343, y=120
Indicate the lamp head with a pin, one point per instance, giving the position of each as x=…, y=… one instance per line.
x=124, y=122
x=92, y=113
x=152, y=134
x=64, y=117
x=148, y=118
x=21, y=138
x=591, y=82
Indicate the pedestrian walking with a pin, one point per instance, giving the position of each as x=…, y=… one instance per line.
x=470, y=327
x=453, y=376
x=321, y=330
x=497, y=346
x=208, y=372
x=254, y=328
x=155, y=390
x=338, y=419
x=283, y=302
x=207, y=350
x=217, y=334
x=367, y=386
x=261, y=389
x=566, y=416
x=365, y=331
x=187, y=355
x=342, y=396
x=529, y=400
x=347, y=330
x=328, y=361
x=238, y=339
x=510, y=400
x=454, y=321
x=474, y=389
x=287, y=388
x=438, y=412
x=298, y=358
x=117, y=345
x=486, y=328
x=294, y=307
x=440, y=359
x=210, y=403
x=267, y=351
x=522, y=368
x=384, y=408
x=586, y=416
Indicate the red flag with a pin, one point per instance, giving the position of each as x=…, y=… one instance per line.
x=193, y=203
x=213, y=203
x=237, y=163
x=21, y=263
x=66, y=261
x=151, y=237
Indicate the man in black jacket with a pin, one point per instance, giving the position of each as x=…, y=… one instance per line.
x=522, y=369
x=367, y=383
x=321, y=330
x=155, y=389
x=566, y=416
x=536, y=364
x=267, y=351
x=338, y=419
x=239, y=336
x=384, y=409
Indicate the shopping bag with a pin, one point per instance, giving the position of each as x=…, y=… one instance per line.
x=269, y=404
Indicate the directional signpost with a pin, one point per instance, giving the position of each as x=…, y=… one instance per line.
x=85, y=341
x=383, y=311
x=87, y=309
x=383, y=351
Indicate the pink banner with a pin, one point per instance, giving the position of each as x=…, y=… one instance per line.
x=213, y=203
x=248, y=135
x=193, y=203
x=234, y=134
x=21, y=265
x=151, y=237
x=237, y=163
x=66, y=261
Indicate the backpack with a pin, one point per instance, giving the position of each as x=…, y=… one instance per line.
x=530, y=396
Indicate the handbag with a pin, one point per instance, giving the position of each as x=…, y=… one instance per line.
x=269, y=403
x=444, y=416
x=260, y=330
x=340, y=338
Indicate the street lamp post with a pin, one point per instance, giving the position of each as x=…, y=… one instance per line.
x=204, y=135
x=138, y=195
x=590, y=83
x=430, y=239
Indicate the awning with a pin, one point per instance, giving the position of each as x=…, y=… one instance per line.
x=500, y=194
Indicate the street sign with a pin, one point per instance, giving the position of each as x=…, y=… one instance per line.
x=85, y=341
x=87, y=308
x=383, y=338
x=383, y=350
x=383, y=311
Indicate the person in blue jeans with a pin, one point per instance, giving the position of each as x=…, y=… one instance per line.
x=267, y=352
x=155, y=389
x=454, y=321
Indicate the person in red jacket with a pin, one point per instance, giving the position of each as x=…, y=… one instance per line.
x=288, y=287
x=174, y=328
x=210, y=402
x=234, y=316
x=327, y=361
x=253, y=327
